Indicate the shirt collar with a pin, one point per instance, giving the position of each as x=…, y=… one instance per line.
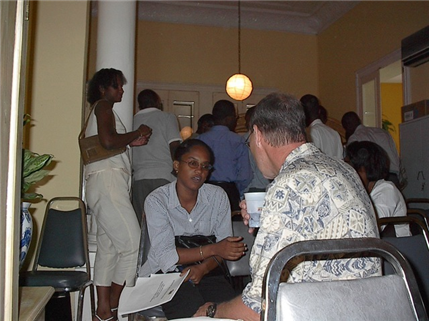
x=220, y=128
x=147, y=110
x=299, y=152
x=316, y=121
x=174, y=202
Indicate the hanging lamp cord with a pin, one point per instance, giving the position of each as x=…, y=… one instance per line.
x=239, y=37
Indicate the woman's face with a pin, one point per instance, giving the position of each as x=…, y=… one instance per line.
x=193, y=178
x=113, y=94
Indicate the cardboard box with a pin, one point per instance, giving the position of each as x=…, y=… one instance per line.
x=415, y=110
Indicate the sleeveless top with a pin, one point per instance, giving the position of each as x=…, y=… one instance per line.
x=118, y=162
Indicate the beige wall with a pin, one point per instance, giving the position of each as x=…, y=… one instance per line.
x=367, y=33
x=189, y=54
x=208, y=55
x=55, y=90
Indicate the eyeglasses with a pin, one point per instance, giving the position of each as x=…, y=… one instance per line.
x=247, y=141
x=195, y=165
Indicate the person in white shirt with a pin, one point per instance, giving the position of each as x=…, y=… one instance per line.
x=372, y=164
x=323, y=137
x=153, y=162
x=356, y=132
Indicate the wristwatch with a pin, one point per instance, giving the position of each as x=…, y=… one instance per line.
x=211, y=310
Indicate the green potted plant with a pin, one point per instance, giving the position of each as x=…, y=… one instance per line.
x=33, y=170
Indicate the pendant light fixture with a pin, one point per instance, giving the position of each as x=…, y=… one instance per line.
x=239, y=86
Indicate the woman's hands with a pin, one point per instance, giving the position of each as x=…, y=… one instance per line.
x=196, y=273
x=245, y=215
x=143, y=139
x=230, y=248
x=106, y=127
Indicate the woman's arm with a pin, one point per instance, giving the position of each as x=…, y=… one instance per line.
x=160, y=229
x=197, y=271
x=211, y=255
x=107, y=134
x=230, y=248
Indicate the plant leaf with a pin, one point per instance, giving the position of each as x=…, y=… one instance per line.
x=36, y=176
x=33, y=162
x=32, y=196
x=32, y=171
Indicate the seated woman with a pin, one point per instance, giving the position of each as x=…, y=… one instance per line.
x=372, y=164
x=188, y=207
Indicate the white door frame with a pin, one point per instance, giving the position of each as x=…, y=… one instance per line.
x=14, y=36
x=365, y=74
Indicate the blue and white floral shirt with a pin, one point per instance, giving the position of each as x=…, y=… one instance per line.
x=313, y=197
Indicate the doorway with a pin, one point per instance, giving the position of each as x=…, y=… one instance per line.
x=380, y=94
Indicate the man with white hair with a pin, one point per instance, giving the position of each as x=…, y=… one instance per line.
x=313, y=196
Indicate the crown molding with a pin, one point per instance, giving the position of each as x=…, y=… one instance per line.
x=306, y=17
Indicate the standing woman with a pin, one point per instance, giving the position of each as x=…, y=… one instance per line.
x=108, y=193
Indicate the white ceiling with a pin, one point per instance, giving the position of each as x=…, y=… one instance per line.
x=308, y=17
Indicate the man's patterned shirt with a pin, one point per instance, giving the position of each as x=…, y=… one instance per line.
x=313, y=197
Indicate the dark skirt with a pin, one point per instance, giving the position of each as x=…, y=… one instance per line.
x=190, y=297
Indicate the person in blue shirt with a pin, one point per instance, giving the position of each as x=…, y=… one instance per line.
x=232, y=169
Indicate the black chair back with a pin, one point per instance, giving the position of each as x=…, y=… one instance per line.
x=414, y=248
x=62, y=244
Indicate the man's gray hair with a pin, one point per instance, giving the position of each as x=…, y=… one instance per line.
x=280, y=117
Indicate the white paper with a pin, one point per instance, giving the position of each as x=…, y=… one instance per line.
x=149, y=292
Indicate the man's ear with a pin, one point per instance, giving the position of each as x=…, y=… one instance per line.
x=258, y=136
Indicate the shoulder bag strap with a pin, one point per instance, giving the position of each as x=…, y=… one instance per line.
x=82, y=132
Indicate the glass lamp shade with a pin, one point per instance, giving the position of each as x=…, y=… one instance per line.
x=186, y=132
x=239, y=87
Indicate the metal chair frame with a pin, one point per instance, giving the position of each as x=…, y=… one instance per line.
x=421, y=213
x=415, y=249
x=56, y=275
x=325, y=249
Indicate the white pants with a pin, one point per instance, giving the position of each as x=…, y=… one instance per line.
x=118, y=231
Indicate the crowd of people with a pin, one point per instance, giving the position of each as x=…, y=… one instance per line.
x=316, y=188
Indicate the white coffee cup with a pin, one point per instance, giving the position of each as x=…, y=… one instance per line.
x=255, y=201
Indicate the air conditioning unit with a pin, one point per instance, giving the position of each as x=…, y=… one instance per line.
x=415, y=48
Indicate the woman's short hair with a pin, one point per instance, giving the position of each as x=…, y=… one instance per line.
x=187, y=145
x=280, y=118
x=369, y=156
x=103, y=78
